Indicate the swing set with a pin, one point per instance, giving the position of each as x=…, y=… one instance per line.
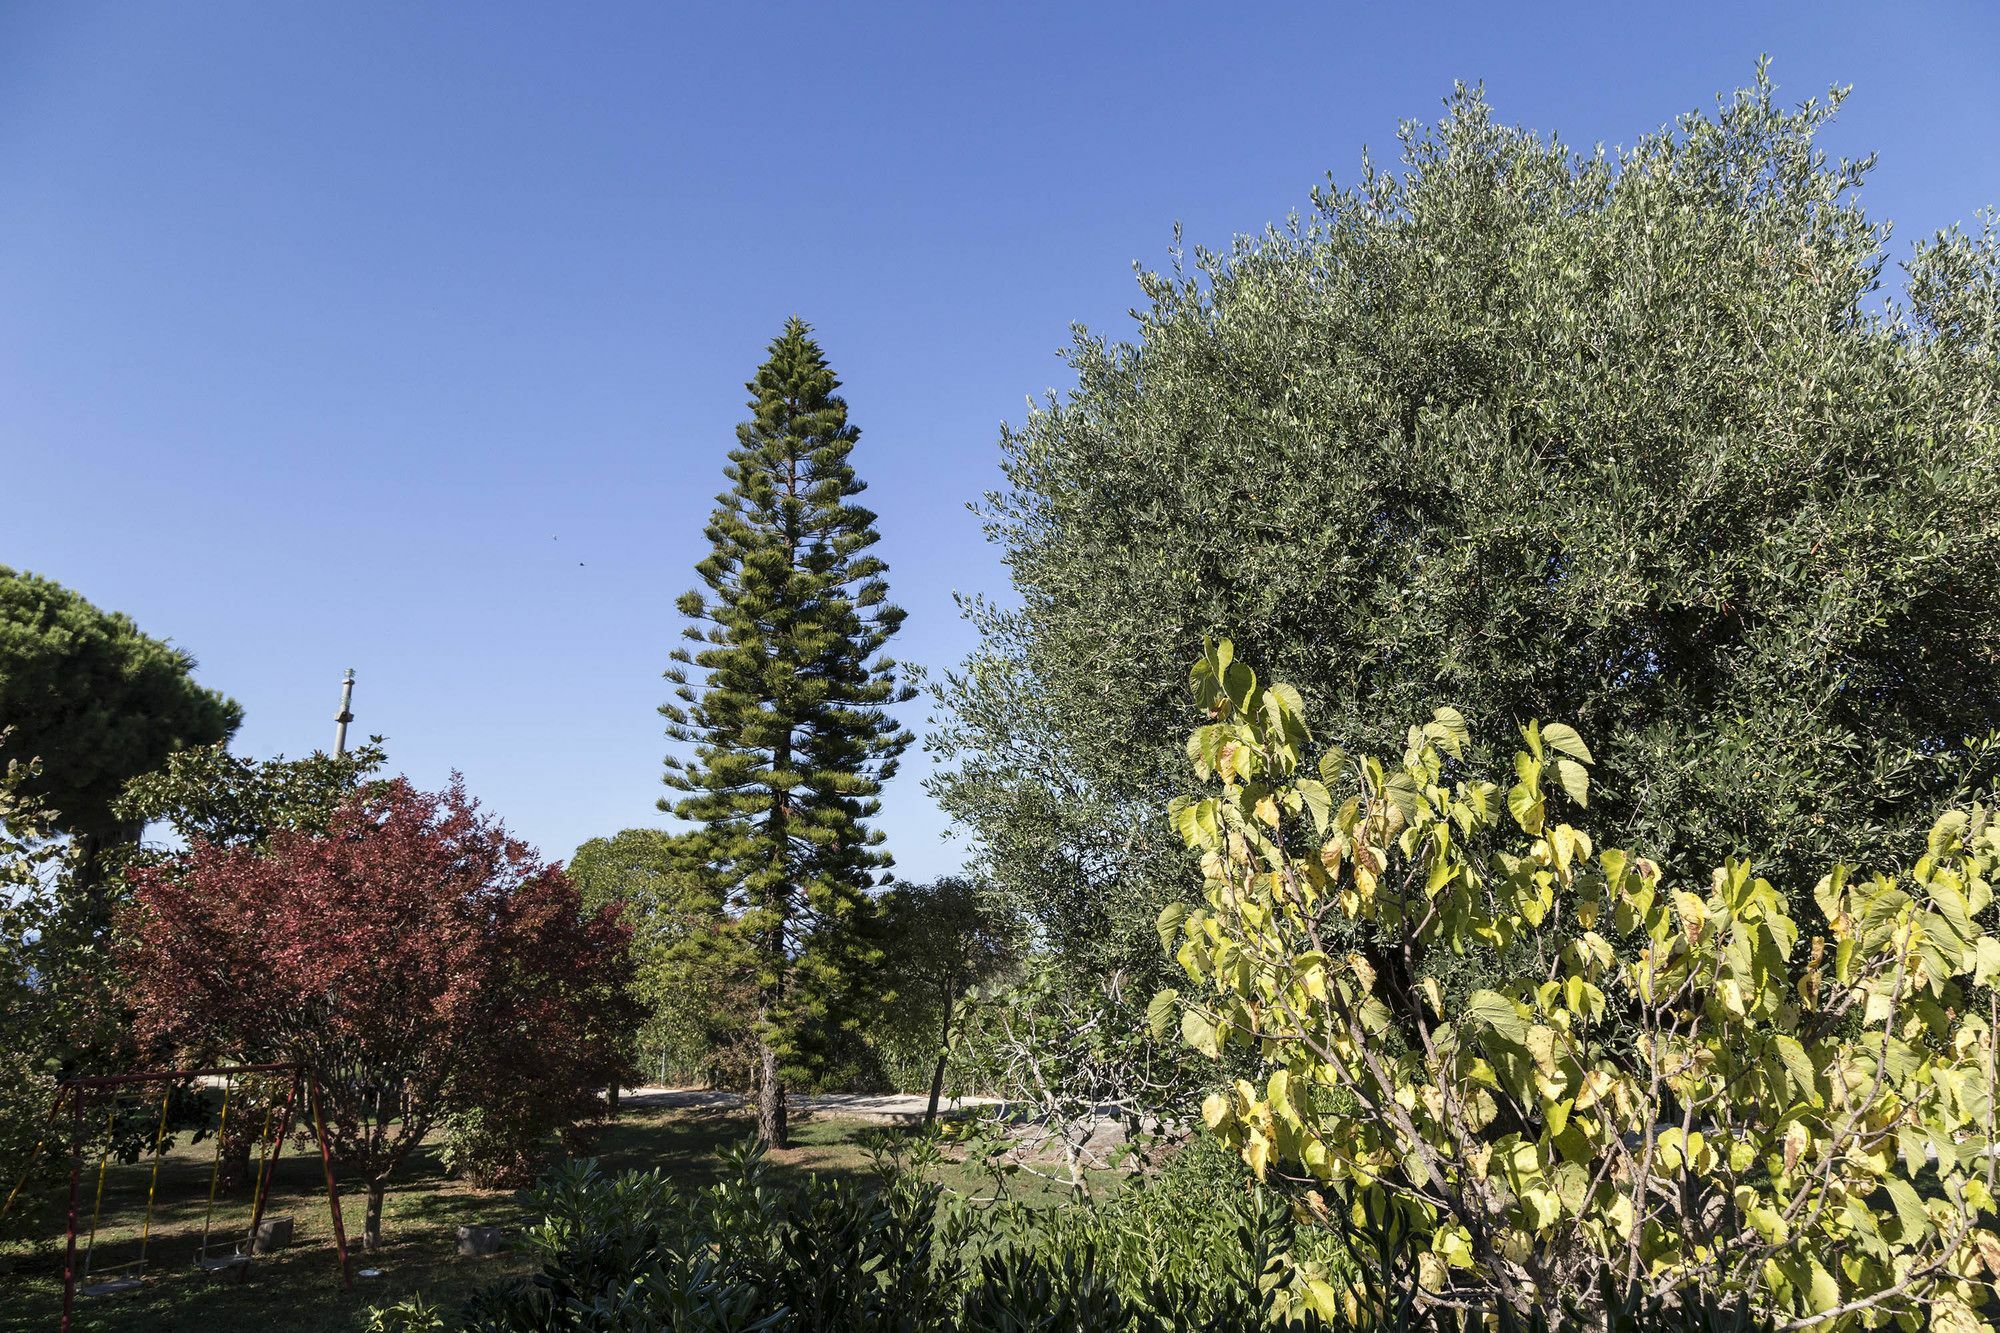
x=217, y=1251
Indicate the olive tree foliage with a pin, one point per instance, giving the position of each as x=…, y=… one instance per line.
x=940, y=941
x=1640, y=439
x=1668, y=1084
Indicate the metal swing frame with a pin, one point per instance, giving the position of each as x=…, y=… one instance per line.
x=79, y=1092
x=138, y=1265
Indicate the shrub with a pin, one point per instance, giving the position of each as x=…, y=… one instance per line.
x=632, y=1254
x=495, y=1151
x=413, y=957
x=1655, y=1090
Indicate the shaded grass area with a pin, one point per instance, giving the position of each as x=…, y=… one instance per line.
x=298, y=1290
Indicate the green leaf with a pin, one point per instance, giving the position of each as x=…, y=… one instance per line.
x=1562, y=737
x=1798, y=1066
x=1169, y=925
x=1199, y=1033
x=1575, y=779
x=1457, y=734
x=1333, y=765
x=1910, y=1214
x=1497, y=1012
x=1160, y=1013
x=1402, y=793
x=1286, y=708
x=1986, y=960
x=1526, y=806
x=1319, y=802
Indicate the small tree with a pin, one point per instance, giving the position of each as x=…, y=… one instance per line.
x=206, y=794
x=1653, y=1088
x=696, y=990
x=413, y=957
x=940, y=939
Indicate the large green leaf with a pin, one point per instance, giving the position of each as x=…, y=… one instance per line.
x=1160, y=1013
x=1498, y=1013
x=1575, y=779
x=1562, y=737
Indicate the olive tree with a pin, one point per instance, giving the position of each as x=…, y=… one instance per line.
x=1655, y=440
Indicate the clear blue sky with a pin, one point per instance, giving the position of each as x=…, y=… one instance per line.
x=411, y=337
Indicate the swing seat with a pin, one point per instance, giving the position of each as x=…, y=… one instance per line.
x=112, y=1286
x=221, y=1263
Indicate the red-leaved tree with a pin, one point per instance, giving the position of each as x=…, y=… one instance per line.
x=418, y=961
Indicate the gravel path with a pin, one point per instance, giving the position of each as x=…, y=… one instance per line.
x=895, y=1106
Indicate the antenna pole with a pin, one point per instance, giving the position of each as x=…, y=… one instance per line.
x=346, y=713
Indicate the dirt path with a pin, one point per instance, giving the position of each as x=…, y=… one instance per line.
x=895, y=1106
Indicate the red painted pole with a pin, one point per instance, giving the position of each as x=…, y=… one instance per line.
x=264, y=1184
x=75, y=1182
x=318, y=1098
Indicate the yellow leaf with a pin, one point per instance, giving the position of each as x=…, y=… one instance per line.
x=1797, y=1139
x=1257, y=1152
x=1280, y=1097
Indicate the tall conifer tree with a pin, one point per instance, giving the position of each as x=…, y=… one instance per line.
x=789, y=726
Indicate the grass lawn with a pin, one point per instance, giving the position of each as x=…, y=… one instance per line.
x=298, y=1290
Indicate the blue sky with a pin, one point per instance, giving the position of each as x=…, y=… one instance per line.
x=411, y=337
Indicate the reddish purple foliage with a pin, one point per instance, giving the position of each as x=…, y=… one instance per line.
x=419, y=962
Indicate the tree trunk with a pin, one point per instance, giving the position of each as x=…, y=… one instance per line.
x=611, y=1098
x=371, y=1227
x=96, y=849
x=771, y=1126
x=944, y=1054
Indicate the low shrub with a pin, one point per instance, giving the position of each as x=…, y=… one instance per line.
x=1200, y=1248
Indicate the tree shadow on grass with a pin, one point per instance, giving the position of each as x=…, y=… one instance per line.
x=686, y=1143
x=298, y=1290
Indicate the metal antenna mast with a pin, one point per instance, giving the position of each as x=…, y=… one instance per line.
x=346, y=713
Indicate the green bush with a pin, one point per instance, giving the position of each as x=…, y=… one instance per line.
x=498, y=1147
x=1670, y=1087
x=1200, y=1248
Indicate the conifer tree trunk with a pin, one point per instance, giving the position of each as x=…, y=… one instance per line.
x=771, y=1126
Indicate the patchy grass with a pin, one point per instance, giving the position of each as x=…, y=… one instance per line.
x=298, y=1290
